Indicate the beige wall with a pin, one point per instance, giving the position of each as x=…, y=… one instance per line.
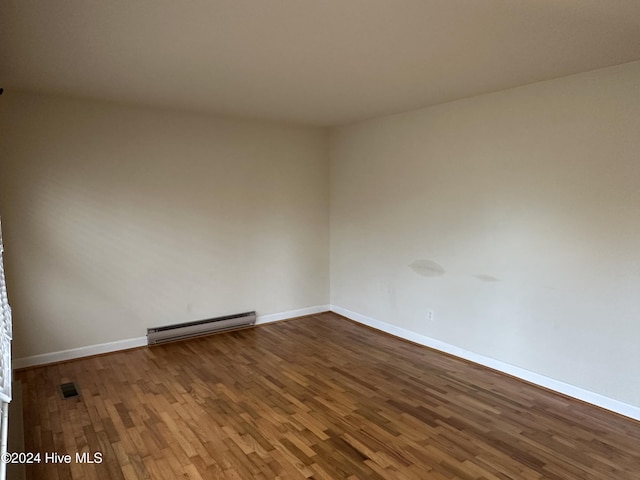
x=529, y=200
x=117, y=219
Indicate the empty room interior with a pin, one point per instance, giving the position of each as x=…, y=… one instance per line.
x=368, y=239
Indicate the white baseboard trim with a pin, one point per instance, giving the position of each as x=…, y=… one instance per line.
x=118, y=345
x=79, y=352
x=275, y=317
x=532, y=377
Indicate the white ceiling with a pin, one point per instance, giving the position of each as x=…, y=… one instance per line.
x=320, y=62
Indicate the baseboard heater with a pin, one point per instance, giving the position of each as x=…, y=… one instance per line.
x=180, y=331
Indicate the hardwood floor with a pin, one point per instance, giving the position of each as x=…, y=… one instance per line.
x=319, y=397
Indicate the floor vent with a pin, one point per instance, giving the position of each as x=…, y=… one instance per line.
x=69, y=390
x=181, y=331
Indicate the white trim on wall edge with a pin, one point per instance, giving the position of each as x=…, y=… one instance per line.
x=301, y=312
x=118, y=345
x=79, y=352
x=532, y=377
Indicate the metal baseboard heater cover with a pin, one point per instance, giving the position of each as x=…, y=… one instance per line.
x=180, y=331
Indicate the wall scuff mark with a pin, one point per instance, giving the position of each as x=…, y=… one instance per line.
x=486, y=278
x=427, y=268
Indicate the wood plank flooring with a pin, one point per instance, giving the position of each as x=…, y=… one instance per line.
x=318, y=397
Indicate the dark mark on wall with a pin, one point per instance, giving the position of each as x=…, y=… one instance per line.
x=427, y=268
x=486, y=278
